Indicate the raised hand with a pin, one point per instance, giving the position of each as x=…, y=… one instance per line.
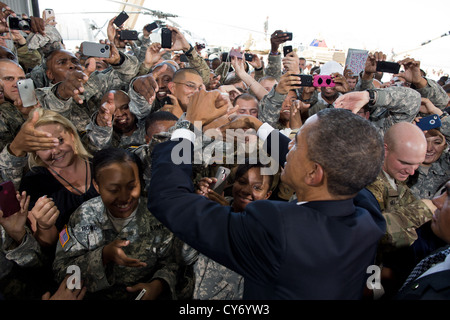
x=288, y=81
x=28, y=139
x=14, y=225
x=153, y=54
x=353, y=101
x=371, y=64
x=206, y=106
x=106, y=112
x=147, y=86
x=72, y=86
x=412, y=73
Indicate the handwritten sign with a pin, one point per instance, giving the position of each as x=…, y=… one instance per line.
x=356, y=60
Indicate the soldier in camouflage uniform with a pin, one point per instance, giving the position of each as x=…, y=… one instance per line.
x=143, y=250
x=434, y=172
x=124, y=128
x=405, y=148
x=79, y=108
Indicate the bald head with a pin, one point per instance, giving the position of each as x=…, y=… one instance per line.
x=10, y=73
x=405, y=149
x=405, y=134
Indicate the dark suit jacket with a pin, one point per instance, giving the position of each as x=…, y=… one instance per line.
x=435, y=286
x=319, y=250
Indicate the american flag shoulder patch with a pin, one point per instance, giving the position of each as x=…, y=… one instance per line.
x=64, y=236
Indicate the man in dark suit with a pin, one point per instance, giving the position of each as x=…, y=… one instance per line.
x=318, y=248
x=430, y=279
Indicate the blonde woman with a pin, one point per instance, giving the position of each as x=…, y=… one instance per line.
x=62, y=174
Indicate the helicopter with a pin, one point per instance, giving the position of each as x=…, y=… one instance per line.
x=94, y=29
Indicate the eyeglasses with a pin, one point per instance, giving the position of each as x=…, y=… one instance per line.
x=191, y=86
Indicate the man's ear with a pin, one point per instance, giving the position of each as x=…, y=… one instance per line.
x=171, y=86
x=316, y=175
x=49, y=75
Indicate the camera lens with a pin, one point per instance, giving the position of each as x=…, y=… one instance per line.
x=320, y=80
x=106, y=47
x=23, y=25
x=328, y=81
x=102, y=50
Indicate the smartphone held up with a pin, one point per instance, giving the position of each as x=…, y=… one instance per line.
x=9, y=204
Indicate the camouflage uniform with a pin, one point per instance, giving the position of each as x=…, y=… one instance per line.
x=199, y=64
x=97, y=137
x=273, y=68
x=26, y=254
x=403, y=213
x=432, y=91
x=139, y=47
x=11, y=120
x=213, y=281
x=100, y=82
x=269, y=107
x=12, y=167
x=28, y=59
x=90, y=229
x=426, y=181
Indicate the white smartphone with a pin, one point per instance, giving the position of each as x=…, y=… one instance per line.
x=141, y=294
x=49, y=13
x=26, y=92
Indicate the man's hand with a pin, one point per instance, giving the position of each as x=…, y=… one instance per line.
x=179, y=42
x=256, y=62
x=412, y=73
x=277, y=38
x=206, y=106
x=37, y=25
x=291, y=63
x=288, y=81
x=241, y=122
x=64, y=293
x=114, y=55
x=106, y=112
x=28, y=139
x=371, y=64
x=353, y=101
x=341, y=82
x=147, y=86
x=72, y=86
x=153, y=55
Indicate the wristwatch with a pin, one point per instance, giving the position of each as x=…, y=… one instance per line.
x=188, y=53
x=443, y=115
x=372, y=98
x=184, y=124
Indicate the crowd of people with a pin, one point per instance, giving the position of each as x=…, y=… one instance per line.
x=116, y=163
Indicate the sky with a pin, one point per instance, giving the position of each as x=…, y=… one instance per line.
x=382, y=25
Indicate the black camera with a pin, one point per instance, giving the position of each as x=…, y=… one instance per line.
x=16, y=23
